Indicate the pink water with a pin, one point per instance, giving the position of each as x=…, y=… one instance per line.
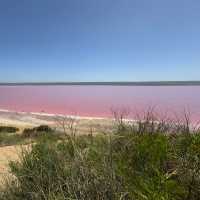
x=98, y=100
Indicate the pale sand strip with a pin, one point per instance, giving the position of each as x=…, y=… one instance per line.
x=7, y=154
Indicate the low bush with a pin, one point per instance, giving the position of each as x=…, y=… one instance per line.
x=43, y=128
x=8, y=129
x=36, y=131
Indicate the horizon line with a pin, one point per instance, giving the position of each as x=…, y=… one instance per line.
x=104, y=83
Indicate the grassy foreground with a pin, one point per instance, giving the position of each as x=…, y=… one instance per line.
x=136, y=162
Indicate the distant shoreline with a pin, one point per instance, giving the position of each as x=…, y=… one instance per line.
x=123, y=83
x=52, y=115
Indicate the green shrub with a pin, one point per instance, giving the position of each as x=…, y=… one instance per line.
x=36, y=131
x=188, y=164
x=127, y=165
x=65, y=170
x=8, y=129
x=43, y=128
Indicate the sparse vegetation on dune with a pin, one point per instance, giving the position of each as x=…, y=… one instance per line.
x=8, y=135
x=8, y=129
x=148, y=159
x=37, y=131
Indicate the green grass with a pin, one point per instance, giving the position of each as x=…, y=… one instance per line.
x=11, y=139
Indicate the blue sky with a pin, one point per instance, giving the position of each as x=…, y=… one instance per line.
x=99, y=40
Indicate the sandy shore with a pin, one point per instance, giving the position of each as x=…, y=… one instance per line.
x=7, y=154
x=23, y=120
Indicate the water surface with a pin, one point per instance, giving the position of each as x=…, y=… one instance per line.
x=98, y=100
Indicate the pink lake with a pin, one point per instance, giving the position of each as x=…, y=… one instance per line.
x=98, y=100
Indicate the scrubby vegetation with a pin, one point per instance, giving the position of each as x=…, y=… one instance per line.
x=10, y=139
x=37, y=131
x=8, y=129
x=29, y=135
x=144, y=160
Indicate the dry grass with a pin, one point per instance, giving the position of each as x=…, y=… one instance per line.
x=8, y=154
